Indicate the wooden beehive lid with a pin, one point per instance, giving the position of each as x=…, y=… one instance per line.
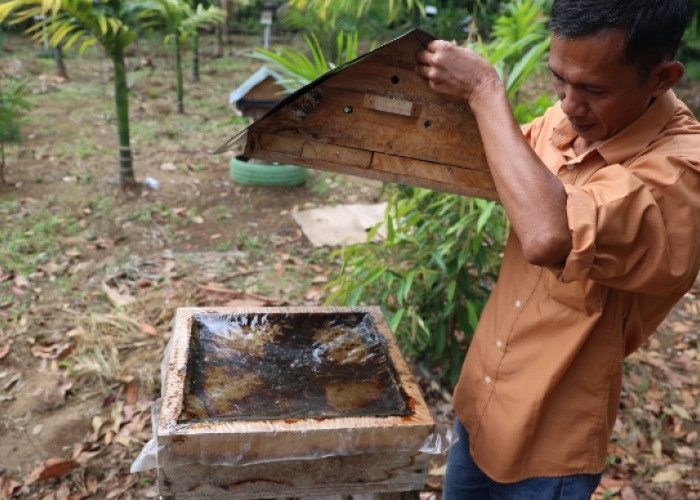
x=375, y=117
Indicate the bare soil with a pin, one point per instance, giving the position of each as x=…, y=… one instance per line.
x=84, y=322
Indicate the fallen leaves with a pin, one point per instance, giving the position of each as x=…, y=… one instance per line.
x=115, y=296
x=237, y=298
x=51, y=468
x=8, y=487
x=125, y=425
x=5, y=350
x=56, y=350
x=655, y=439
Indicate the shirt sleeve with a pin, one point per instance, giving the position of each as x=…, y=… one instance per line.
x=633, y=227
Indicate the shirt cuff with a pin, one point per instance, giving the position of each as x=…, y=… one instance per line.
x=582, y=213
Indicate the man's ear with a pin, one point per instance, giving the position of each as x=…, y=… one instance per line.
x=664, y=76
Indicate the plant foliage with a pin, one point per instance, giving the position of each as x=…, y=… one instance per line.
x=372, y=20
x=301, y=68
x=178, y=20
x=65, y=22
x=12, y=104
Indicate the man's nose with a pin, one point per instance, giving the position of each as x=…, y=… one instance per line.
x=572, y=104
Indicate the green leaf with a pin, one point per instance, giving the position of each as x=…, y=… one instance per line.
x=395, y=319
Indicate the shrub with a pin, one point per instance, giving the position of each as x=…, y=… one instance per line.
x=12, y=105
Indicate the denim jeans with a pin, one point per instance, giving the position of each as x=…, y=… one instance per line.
x=464, y=480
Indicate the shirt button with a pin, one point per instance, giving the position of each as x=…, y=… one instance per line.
x=570, y=166
x=499, y=344
x=518, y=304
x=487, y=380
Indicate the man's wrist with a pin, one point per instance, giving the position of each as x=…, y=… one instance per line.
x=482, y=95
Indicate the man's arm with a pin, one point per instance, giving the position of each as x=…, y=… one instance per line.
x=533, y=197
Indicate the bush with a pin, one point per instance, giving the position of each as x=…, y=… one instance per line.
x=431, y=275
x=12, y=104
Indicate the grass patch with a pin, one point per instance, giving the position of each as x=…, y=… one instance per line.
x=31, y=233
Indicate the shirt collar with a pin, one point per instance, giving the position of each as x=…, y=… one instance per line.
x=632, y=139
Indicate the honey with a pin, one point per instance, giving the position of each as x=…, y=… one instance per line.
x=256, y=366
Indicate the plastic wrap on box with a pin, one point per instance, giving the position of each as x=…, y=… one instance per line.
x=247, y=389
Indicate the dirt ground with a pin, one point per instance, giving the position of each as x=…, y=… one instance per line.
x=91, y=276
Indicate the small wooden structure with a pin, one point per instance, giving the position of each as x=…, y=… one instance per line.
x=375, y=117
x=262, y=91
x=288, y=402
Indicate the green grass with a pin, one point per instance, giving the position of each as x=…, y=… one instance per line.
x=31, y=235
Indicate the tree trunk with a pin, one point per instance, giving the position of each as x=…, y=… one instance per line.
x=121, y=100
x=2, y=163
x=60, y=64
x=195, y=56
x=178, y=72
x=219, y=40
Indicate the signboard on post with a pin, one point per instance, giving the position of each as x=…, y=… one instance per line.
x=266, y=17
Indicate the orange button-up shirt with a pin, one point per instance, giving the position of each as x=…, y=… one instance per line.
x=540, y=387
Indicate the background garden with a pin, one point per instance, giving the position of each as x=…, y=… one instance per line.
x=97, y=97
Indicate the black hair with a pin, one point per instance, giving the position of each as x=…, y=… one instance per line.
x=654, y=28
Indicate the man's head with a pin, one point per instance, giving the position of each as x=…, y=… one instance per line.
x=653, y=28
x=610, y=59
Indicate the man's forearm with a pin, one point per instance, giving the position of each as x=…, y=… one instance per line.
x=534, y=199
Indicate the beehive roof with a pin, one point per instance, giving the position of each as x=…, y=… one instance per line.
x=375, y=117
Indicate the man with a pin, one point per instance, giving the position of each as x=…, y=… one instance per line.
x=603, y=195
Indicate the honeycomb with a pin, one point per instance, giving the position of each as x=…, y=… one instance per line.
x=289, y=366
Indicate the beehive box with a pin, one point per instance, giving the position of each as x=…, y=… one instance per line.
x=375, y=117
x=280, y=402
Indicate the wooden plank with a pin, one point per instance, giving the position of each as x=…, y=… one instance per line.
x=279, y=143
x=319, y=152
x=461, y=180
x=350, y=475
x=391, y=105
x=314, y=152
x=388, y=168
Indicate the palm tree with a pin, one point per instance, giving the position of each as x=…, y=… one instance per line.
x=99, y=21
x=178, y=20
x=373, y=20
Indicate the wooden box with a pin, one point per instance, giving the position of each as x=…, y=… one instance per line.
x=288, y=402
x=375, y=117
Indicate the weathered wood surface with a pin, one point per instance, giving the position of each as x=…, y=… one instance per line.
x=376, y=118
x=355, y=475
x=282, y=458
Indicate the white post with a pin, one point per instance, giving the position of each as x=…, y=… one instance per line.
x=266, y=19
x=266, y=40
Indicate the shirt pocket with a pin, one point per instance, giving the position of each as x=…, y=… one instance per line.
x=580, y=296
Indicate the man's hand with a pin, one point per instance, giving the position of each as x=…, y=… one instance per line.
x=456, y=73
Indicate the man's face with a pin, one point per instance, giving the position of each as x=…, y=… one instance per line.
x=599, y=93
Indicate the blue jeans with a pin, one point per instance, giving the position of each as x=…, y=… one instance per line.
x=464, y=480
